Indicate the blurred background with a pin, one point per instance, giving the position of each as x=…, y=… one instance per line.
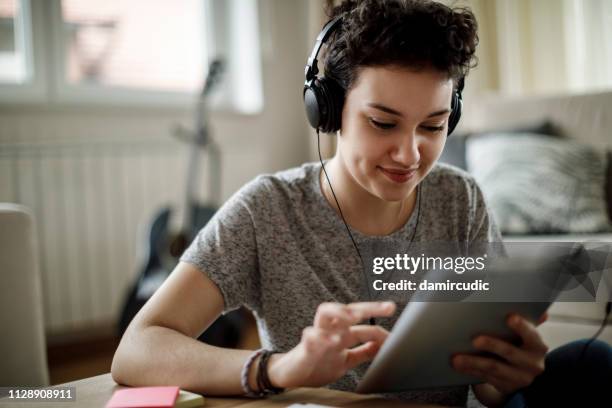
x=115, y=149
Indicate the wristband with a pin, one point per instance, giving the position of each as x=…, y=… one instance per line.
x=244, y=376
x=263, y=380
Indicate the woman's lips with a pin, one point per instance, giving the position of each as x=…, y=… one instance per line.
x=397, y=175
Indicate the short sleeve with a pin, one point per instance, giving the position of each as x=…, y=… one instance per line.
x=226, y=251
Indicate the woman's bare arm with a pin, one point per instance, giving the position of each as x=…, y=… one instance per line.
x=160, y=348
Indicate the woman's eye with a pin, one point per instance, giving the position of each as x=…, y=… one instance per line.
x=433, y=129
x=382, y=125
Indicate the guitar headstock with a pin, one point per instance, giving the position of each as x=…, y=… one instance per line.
x=215, y=69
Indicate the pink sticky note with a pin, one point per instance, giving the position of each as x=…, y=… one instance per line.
x=144, y=397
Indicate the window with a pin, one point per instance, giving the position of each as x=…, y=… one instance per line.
x=142, y=44
x=236, y=38
x=136, y=52
x=15, y=58
x=588, y=30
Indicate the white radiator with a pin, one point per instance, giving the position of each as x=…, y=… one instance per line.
x=91, y=201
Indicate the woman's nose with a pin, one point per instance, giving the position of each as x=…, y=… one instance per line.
x=406, y=151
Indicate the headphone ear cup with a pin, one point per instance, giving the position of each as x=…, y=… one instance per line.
x=456, y=107
x=311, y=102
x=334, y=100
x=323, y=99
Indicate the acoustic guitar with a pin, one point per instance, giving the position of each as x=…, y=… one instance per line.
x=163, y=248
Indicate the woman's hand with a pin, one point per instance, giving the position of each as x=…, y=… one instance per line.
x=332, y=346
x=519, y=365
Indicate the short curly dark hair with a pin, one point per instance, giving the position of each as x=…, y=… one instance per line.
x=413, y=33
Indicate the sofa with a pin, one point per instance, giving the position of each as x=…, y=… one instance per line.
x=583, y=120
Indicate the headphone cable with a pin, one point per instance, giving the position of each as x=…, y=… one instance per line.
x=601, y=329
x=372, y=321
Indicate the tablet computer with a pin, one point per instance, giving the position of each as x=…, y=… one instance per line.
x=417, y=354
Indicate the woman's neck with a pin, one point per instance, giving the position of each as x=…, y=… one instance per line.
x=362, y=210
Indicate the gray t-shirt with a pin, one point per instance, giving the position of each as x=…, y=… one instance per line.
x=279, y=248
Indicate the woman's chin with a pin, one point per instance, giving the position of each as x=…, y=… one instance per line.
x=392, y=194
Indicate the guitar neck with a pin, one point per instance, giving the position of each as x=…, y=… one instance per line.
x=202, y=139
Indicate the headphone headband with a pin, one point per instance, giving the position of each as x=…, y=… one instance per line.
x=312, y=65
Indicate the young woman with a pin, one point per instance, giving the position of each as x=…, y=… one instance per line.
x=280, y=245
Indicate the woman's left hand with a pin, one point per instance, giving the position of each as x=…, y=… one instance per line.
x=517, y=368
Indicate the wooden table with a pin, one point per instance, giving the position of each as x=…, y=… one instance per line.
x=96, y=391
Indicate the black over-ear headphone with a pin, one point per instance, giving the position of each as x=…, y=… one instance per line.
x=324, y=97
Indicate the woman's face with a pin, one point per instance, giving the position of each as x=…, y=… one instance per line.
x=394, y=125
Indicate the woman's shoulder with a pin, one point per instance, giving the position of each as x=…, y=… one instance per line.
x=286, y=184
x=450, y=177
x=456, y=209
x=447, y=182
x=296, y=176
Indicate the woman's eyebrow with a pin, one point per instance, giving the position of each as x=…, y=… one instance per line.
x=438, y=113
x=384, y=108
x=397, y=113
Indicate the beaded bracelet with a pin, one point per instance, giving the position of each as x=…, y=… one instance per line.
x=244, y=376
